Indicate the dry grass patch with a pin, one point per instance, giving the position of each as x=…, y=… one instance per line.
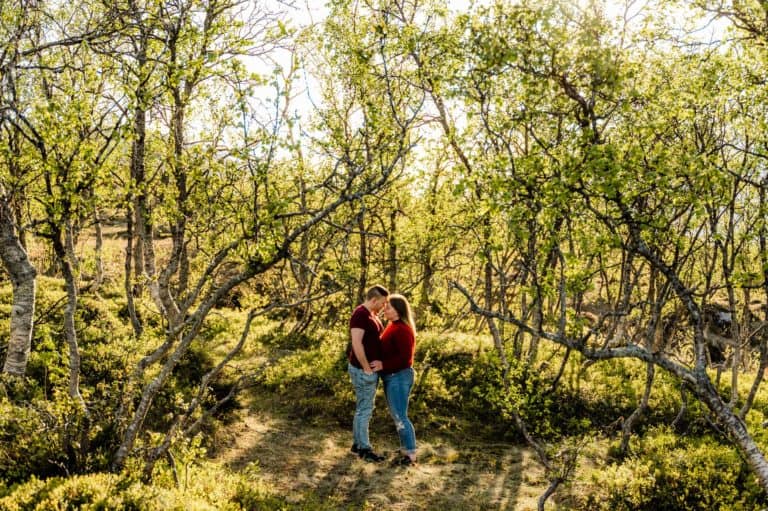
x=299, y=459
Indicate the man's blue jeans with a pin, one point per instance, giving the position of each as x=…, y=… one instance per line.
x=397, y=387
x=365, y=391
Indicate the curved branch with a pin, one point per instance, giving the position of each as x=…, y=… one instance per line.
x=631, y=351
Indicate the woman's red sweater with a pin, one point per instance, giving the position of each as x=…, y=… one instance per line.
x=397, y=347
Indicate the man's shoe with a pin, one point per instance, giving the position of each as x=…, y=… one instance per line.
x=355, y=449
x=369, y=455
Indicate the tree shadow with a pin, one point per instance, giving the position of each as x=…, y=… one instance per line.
x=303, y=458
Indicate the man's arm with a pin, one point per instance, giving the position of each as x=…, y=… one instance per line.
x=357, y=348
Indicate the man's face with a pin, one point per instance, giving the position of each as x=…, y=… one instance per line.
x=379, y=303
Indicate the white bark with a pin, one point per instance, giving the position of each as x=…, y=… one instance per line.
x=23, y=276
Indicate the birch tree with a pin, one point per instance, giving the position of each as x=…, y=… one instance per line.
x=639, y=161
x=247, y=208
x=15, y=27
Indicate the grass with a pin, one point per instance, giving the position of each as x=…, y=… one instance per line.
x=295, y=427
x=301, y=458
x=289, y=433
x=284, y=443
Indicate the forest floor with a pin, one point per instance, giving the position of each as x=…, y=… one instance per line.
x=308, y=457
x=301, y=457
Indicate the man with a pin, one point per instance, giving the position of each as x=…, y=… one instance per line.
x=365, y=351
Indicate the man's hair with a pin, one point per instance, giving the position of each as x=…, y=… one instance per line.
x=376, y=291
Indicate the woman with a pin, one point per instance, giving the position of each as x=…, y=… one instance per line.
x=398, y=344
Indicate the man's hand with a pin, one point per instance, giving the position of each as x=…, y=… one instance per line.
x=376, y=365
x=357, y=348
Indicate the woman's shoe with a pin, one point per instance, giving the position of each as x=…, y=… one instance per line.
x=404, y=461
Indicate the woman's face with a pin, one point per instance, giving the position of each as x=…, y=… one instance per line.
x=390, y=314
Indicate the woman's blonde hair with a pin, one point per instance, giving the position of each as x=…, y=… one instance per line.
x=403, y=308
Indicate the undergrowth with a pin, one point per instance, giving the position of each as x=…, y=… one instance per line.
x=55, y=456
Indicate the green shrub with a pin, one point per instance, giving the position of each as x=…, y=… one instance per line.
x=43, y=437
x=455, y=387
x=204, y=488
x=315, y=380
x=669, y=472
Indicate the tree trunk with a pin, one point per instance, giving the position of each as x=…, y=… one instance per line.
x=301, y=271
x=532, y=263
x=17, y=212
x=427, y=262
x=98, y=279
x=626, y=285
x=183, y=270
x=159, y=285
x=392, y=266
x=626, y=428
x=17, y=171
x=128, y=281
x=179, y=262
x=70, y=239
x=426, y=283
x=192, y=327
x=149, y=393
x=735, y=428
x=362, y=283
x=70, y=333
x=139, y=204
x=182, y=419
x=653, y=332
x=758, y=377
x=698, y=379
x=138, y=165
x=704, y=388
x=763, y=239
x=22, y=274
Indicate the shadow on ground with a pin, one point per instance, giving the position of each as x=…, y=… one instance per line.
x=301, y=457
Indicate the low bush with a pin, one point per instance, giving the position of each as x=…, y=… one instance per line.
x=45, y=437
x=44, y=433
x=456, y=388
x=460, y=392
x=205, y=487
x=192, y=484
x=314, y=380
x=668, y=472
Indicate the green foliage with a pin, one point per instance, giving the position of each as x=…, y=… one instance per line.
x=458, y=387
x=206, y=489
x=467, y=389
x=44, y=437
x=308, y=377
x=460, y=391
x=42, y=432
x=560, y=130
x=669, y=472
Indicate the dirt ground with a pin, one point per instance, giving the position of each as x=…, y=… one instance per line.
x=300, y=457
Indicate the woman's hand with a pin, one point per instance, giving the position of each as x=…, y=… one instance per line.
x=376, y=365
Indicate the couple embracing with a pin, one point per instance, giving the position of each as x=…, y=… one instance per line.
x=387, y=354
